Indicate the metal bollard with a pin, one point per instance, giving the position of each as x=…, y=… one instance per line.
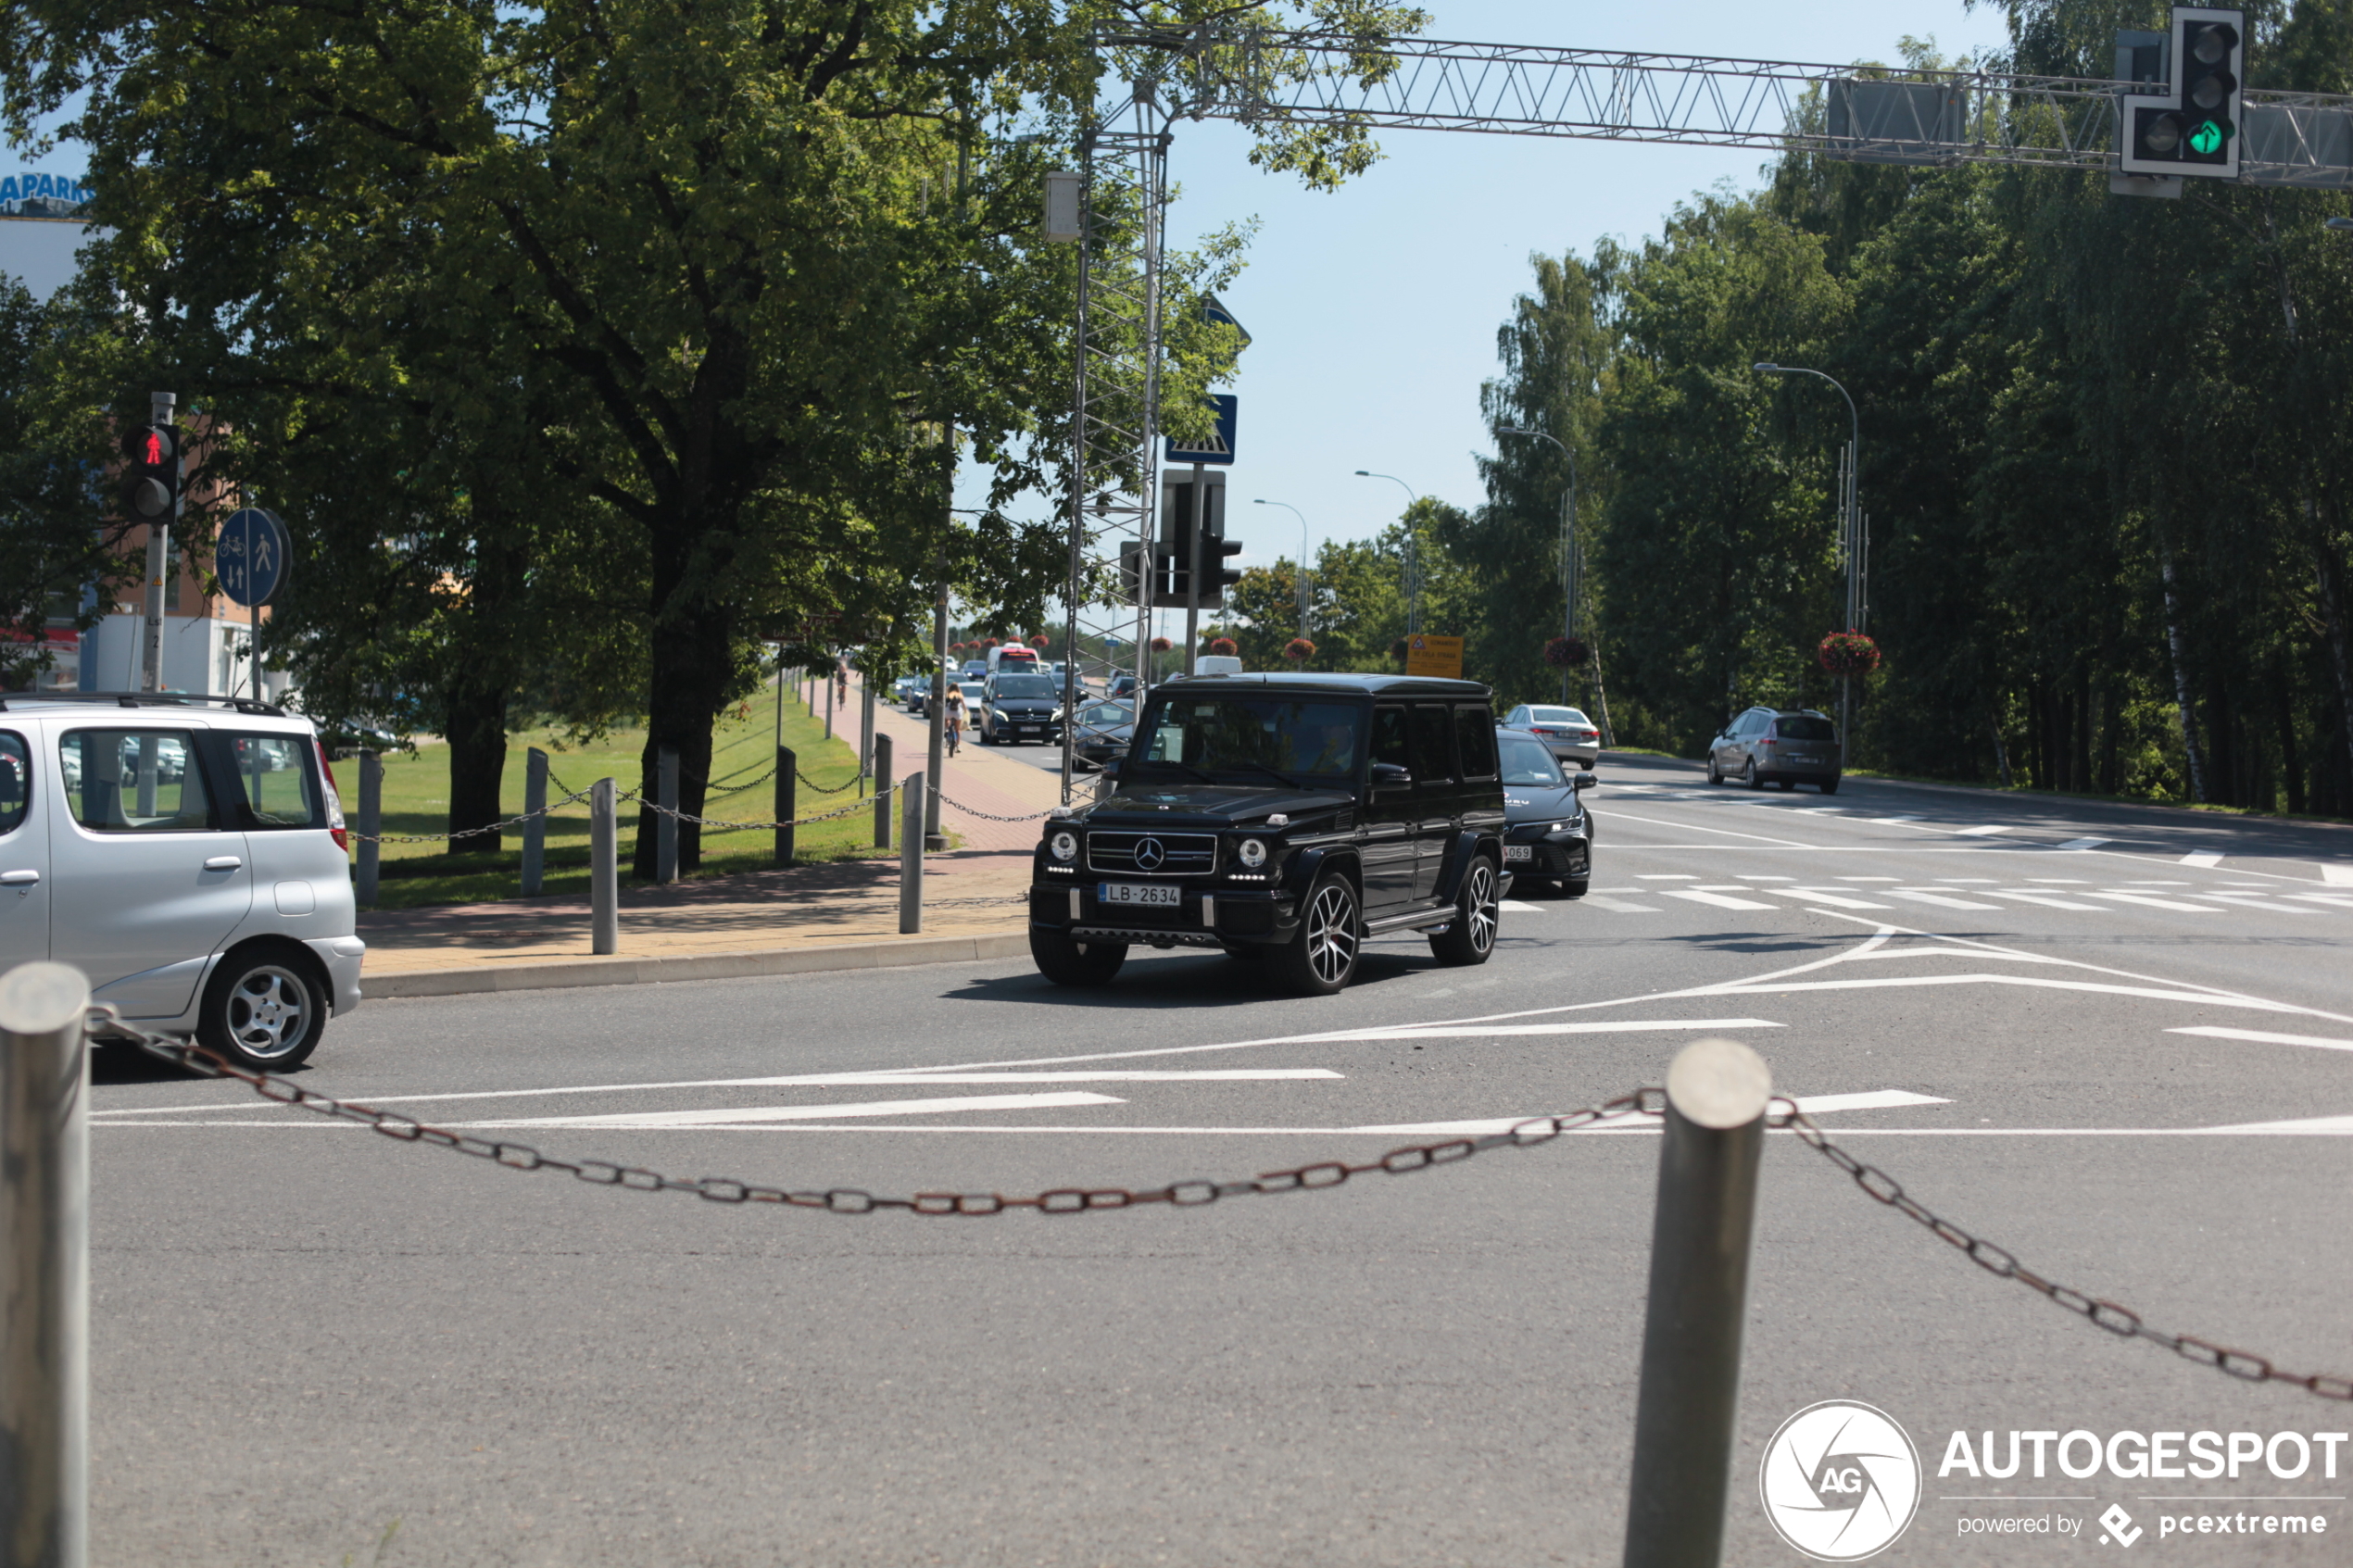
x=1716, y=1092
x=45, y=1296
x=371, y=825
x=604, y=867
x=910, y=855
x=534, y=826
x=787, y=788
x=665, y=820
x=882, y=792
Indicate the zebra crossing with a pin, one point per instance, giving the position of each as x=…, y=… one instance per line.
x=1980, y=895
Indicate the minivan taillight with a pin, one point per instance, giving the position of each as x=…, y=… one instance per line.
x=334, y=797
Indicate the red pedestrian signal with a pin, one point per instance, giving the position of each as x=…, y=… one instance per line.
x=151, y=478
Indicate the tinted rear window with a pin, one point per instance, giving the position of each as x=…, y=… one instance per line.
x=1806, y=728
x=16, y=771
x=274, y=781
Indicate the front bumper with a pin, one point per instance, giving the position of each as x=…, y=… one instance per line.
x=1565, y=860
x=1210, y=915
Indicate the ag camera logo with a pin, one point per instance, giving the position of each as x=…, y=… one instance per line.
x=1841, y=1481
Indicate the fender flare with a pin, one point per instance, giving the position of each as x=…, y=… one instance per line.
x=1303, y=871
x=1467, y=843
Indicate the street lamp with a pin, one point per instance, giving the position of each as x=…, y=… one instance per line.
x=1568, y=542
x=1413, y=552
x=1850, y=532
x=1303, y=557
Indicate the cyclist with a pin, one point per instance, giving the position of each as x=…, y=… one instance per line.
x=951, y=716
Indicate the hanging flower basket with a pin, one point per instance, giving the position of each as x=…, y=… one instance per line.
x=1566, y=653
x=991, y=643
x=1040, y=640
x=1848, y=653
x=1162, y=645
x=1223, y=647
x=1299, y=650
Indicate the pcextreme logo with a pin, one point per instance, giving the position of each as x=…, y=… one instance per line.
x=1841, y=1481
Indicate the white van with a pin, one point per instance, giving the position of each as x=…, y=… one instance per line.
x=1217, y=664
x=1015, y=654
x=188, y=854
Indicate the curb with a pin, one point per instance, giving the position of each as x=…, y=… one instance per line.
x=567, y=973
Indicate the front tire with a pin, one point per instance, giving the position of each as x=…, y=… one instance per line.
x=1471, y=937
x=1576, y=888
x=1067, y=962
x=1321, y=959
x=264, y=1009
x=1830, y=786
x=1714, y=774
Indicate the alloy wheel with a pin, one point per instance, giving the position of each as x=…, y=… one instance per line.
x=1331, y=933
x=268, y=1010
x=1480, y=905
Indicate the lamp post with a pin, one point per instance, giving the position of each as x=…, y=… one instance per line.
x=1850, y=531
x=1569, y=541
x=1303, y=557
x=1413, y=551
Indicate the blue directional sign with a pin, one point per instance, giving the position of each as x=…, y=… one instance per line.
x=1220, y=447
x=250, y=556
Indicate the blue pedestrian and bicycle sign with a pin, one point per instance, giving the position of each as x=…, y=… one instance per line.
x=250, y=557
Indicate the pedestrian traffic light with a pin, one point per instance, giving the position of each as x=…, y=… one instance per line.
x=151, y=473
x=2194, y=127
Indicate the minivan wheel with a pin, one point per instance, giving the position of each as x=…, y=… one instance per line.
x=1469, y=937
x=1067, y=961
x=1748, y=776
x=263, y=1009
x=1321, y=959
x=1714, y=774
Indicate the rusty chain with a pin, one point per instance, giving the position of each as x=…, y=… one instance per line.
x=2001, y=1264
x=1783, y=1114
x=463, y=833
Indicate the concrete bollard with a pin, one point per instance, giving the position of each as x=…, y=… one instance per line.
x=371, y=825
x=1716, y=1093
x=534, y=826
x=604, y=867
x=44, y=1298
x=665, y=822
x=911, y=856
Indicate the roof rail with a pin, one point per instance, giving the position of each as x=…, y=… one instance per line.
x=147, y=699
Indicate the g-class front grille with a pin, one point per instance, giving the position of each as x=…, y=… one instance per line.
x=1152, y=854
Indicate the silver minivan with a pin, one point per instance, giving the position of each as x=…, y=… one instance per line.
x=188, y=854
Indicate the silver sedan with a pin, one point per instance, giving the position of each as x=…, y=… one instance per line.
x=1570, y=735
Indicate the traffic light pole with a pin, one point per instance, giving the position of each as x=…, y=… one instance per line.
x=160, y=407
x=1199, y=506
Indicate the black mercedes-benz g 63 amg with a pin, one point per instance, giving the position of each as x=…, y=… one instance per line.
x=1285, y=818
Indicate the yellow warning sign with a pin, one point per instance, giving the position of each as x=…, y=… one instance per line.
x=1426, y=655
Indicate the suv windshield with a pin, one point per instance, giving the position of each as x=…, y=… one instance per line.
x=1252, y=735
x=1528, y=763
x=1804, y=729
x=1026, y=687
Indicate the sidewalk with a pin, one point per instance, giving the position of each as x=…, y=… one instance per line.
x=841, y=914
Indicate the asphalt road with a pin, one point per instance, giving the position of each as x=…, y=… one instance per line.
x=306, y=1334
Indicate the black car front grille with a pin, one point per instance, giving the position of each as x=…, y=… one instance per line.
x=1152, y=854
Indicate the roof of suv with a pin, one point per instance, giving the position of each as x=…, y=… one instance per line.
x=27, y=701
x=1334, y=682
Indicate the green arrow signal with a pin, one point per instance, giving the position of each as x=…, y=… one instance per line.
x=2206, y=138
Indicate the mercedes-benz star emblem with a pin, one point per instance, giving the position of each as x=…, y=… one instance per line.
x=1148, y=853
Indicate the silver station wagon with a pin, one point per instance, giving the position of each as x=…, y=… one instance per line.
x=186, y=853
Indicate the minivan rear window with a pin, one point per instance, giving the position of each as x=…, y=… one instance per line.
x=1804, y=728
x=135, y=781
x=16, y=774
x=275, y=784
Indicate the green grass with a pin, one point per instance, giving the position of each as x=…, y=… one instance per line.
x=416, y=801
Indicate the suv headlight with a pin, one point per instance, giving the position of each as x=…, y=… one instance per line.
x=1064, y=845
x=1253, y=853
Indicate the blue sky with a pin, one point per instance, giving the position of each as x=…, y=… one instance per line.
x=1373, y=310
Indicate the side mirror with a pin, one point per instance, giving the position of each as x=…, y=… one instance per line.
x=1389, y=775
x=1111, y=767
x=1583, y=781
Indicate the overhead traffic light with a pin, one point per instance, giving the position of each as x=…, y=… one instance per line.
x=2194, y=127
x=151, y=473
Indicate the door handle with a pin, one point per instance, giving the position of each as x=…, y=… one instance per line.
x=18, y=879
x=222, y=864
